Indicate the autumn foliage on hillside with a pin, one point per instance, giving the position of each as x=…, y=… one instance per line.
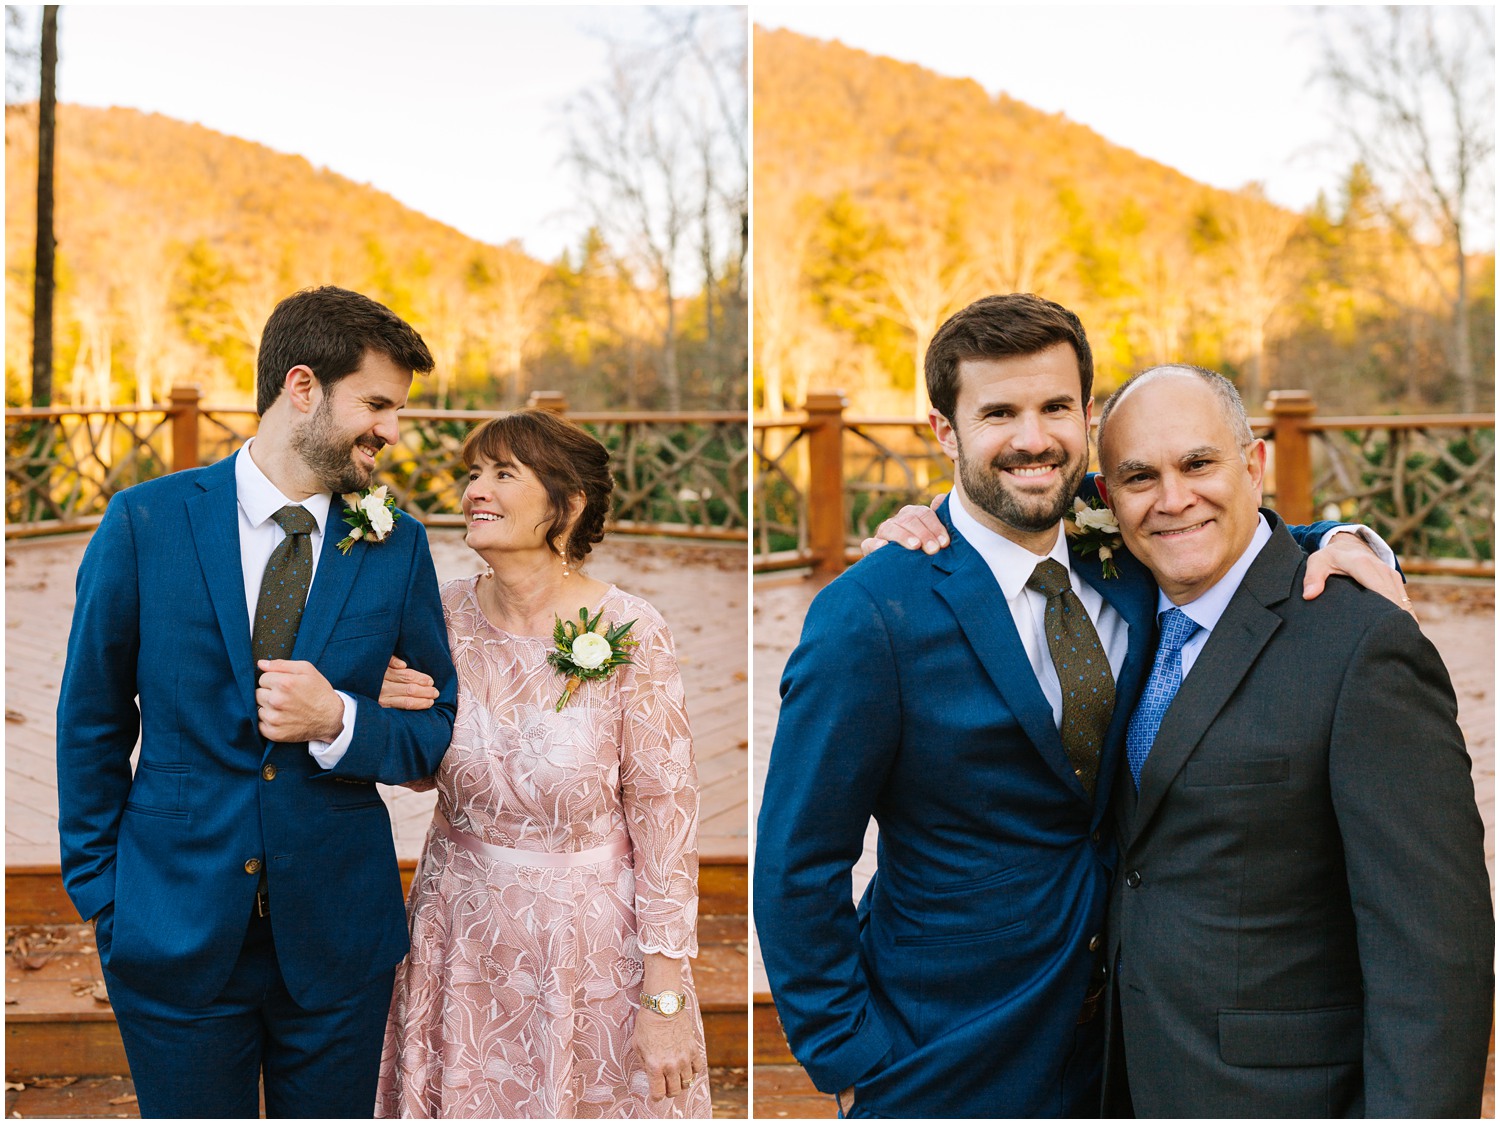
x=175, y=241
x=887, y=197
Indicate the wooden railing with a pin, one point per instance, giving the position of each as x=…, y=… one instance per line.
x=682, y=474
x=824, y=480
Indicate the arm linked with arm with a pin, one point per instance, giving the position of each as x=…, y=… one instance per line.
x=395, y=746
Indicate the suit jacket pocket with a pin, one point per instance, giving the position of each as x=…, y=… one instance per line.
x=1205, y=774
x=934, y=940
x=377, y=623
x=159, y=790
x=1322, y=1036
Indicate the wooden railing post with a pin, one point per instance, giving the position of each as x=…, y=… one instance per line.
x=1290, y=410
x=184, y=427
x=553, y=401
x=825, y=478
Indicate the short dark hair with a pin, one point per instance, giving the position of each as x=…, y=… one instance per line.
x=997, y=327
x=566, y=459
x=329, y=330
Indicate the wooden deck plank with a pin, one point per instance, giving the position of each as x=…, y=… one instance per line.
x=680, y=580
x=1458, y=617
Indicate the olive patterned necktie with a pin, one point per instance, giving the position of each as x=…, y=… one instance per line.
x=283, y=589
x=1088, y=686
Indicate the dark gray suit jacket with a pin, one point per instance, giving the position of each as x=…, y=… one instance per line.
x=1302, y=913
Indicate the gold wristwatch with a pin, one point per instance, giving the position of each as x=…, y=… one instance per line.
x=665, y=1003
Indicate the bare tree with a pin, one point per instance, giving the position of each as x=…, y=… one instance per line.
x=1261, y=277
x=659, y=149
x=1418, y=89
x=22, y=55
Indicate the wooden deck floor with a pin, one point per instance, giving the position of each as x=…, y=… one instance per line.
x=699, y=589
x=1458, y=617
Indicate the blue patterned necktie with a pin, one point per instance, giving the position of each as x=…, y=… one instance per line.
x=1166, y=676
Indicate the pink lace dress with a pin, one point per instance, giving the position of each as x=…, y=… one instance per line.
x=572, y=849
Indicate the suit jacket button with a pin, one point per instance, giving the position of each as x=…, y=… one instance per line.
x=1096, y=837
x=268, y=773
x=1133, y=879
x=1094, y=943
x=252, y=866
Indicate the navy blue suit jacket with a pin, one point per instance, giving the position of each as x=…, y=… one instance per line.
x=955, y=987
x=160, y=649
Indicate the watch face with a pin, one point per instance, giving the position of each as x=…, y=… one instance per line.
x=668, y=1003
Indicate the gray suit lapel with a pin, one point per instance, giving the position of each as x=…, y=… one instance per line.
x=1237, y=641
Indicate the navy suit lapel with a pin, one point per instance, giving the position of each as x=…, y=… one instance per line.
x=983, y=616
x=213, y=518
x=1237, y=640
x=331, y=586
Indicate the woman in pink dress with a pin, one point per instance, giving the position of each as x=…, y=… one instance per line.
x=557, y=895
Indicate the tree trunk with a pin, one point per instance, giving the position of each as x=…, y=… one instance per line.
x=669, y=351
x=46, y=242
x=1463, y=360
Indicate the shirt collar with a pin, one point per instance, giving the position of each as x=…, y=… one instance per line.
x=1206, y=609
x=260, y=499
x=1010, y=563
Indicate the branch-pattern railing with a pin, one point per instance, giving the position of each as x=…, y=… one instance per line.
x=1425, y=483
x=682, y=474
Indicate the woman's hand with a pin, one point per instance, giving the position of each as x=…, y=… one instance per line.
x=406, y=688
x=668, y=1046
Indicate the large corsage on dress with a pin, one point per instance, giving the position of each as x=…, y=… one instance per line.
x=562, y=847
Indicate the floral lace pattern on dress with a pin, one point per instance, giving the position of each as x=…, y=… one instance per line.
x=519, y=996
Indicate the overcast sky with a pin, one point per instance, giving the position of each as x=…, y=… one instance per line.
x=455, y=111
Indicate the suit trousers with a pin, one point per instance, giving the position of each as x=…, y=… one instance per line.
x=208, y=1061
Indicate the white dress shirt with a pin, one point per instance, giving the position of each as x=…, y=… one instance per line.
x=1206, y=610
x=1012, y=566
x=259, y=499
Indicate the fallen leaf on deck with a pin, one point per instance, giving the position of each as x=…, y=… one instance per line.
x=52, y=1082
x=128, y=1098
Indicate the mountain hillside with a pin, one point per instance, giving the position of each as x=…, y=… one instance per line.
x=888, y=196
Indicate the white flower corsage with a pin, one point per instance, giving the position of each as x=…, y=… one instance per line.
x=1093, y=529
x=585, y=652
x=372, y=513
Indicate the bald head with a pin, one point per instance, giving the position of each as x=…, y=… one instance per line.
x=1183, y=474
x=1224, y=390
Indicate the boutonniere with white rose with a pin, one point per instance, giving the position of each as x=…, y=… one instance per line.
x=1092, y=529
x=584, y=651
x=371, y=513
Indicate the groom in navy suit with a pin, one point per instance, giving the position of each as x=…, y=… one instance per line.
x=243, y=881
x=974, y=702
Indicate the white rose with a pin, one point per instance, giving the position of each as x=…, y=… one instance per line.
x=380, y=517
x=1097, y=519
x=590, y=650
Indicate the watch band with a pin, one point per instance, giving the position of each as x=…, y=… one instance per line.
x=668, y=1004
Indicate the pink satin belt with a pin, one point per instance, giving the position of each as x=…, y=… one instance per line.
x=616, y=848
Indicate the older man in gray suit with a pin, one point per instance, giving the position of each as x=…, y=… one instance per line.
x=1301, y=915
